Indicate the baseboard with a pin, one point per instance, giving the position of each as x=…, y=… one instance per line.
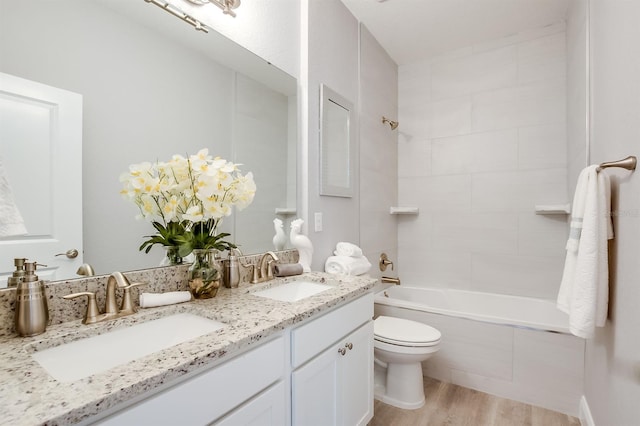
x=585, y=413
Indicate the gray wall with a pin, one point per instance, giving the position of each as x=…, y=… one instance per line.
x=332, y=59
x=378, y=153
x=612, y=370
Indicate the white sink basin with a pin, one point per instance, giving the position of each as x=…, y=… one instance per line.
x=293, y=291
x=86, y=357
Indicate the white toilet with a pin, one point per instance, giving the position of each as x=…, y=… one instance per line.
x=400, y=346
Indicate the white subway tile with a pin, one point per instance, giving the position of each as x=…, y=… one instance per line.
x=495, y=233
x=477, y=348
x=436, y=193
x=540, y=102
x=484, y=71
x=477, y=152
x=415, y=122
x=542, y=147
x=542, y=235
x=438, y=267
x=414, y=158
x=552, y=367
x=449, y=117
x=529, y=276
x=415, y=232
x=518, y=191
x=542, y=58
x=452, y=54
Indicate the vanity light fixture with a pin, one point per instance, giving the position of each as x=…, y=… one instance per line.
x=199, y=26
x=227, y=6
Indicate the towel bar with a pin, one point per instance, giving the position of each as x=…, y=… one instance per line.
x=628, y=163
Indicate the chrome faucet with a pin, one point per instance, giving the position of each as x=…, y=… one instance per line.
x=116, y=280
x=263, y=271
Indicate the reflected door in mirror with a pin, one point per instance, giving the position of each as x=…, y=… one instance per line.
x=41, y=152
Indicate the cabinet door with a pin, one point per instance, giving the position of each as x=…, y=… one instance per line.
x=355, y=385
x=314, y=391
x=266, y=409
x=336, y=387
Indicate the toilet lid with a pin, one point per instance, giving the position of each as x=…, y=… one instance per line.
x=404, y=332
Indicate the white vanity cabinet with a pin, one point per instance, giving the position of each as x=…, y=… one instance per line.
x=251, y=381
x=318, y=373
x=332, y=357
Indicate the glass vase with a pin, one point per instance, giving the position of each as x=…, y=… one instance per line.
x=205, y=274
x=171, y=257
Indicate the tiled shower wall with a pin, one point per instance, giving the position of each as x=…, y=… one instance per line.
x=482, y=140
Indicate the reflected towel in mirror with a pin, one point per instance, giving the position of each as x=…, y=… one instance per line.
x=11, y=221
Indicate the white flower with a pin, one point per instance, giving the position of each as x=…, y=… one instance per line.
x=194, y=188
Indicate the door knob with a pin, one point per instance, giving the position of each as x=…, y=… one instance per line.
x=71, y=254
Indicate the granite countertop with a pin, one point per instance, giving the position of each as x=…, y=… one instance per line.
x=29, y=396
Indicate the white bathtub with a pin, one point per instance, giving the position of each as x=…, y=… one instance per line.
x=537, y=314
x=514, y=347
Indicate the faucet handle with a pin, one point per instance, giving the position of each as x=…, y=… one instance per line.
x=270, y=264
x=127, y=305
x=92, y=314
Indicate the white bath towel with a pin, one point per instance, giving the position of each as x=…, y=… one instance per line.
x=11, y=221
x=584, y=291
x=347, y=265
x=151, y=300
x=347, y=249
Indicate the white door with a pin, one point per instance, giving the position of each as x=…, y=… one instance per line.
x=41, y=166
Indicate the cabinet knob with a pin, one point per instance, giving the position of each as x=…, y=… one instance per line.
x=349, y=346
x=342, y=351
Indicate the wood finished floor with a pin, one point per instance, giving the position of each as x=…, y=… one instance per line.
x=452, y=405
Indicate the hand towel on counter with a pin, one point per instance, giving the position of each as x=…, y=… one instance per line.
x=347, y=249
x=287, y=269
x=584, y=290
x=151, y=300
x=347, y=265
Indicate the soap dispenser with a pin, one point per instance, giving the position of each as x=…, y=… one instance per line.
x=32, y=312
x=18, y=274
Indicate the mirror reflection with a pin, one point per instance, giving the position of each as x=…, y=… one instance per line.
x=151, y=87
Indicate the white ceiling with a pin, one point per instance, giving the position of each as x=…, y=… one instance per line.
x=414, y=30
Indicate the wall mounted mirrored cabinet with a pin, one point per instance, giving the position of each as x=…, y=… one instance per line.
x=337, y=141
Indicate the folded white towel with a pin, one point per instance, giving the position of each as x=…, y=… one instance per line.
x=151, y=300
x=347, y=265
x=347, y=249
x=11, y=221
x=584, y=291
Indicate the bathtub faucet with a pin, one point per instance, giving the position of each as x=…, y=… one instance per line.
x=390, y=280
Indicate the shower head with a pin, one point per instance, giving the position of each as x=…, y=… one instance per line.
x=392, y=124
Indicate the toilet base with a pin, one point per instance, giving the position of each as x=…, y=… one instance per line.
x=400, y=385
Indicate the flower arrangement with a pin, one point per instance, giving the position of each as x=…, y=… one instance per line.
x=186, y=199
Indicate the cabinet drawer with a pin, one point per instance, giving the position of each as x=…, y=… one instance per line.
x=312, y=338
x=204, y=398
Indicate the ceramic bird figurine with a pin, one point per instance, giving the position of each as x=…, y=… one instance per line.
x=280, y=239
x=302, y=243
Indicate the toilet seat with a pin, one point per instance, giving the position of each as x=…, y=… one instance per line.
x=402, y=332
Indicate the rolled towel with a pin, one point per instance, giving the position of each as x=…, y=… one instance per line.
x=347, y=249
x=151, y=300
x=347, y=265
x=287, y=269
